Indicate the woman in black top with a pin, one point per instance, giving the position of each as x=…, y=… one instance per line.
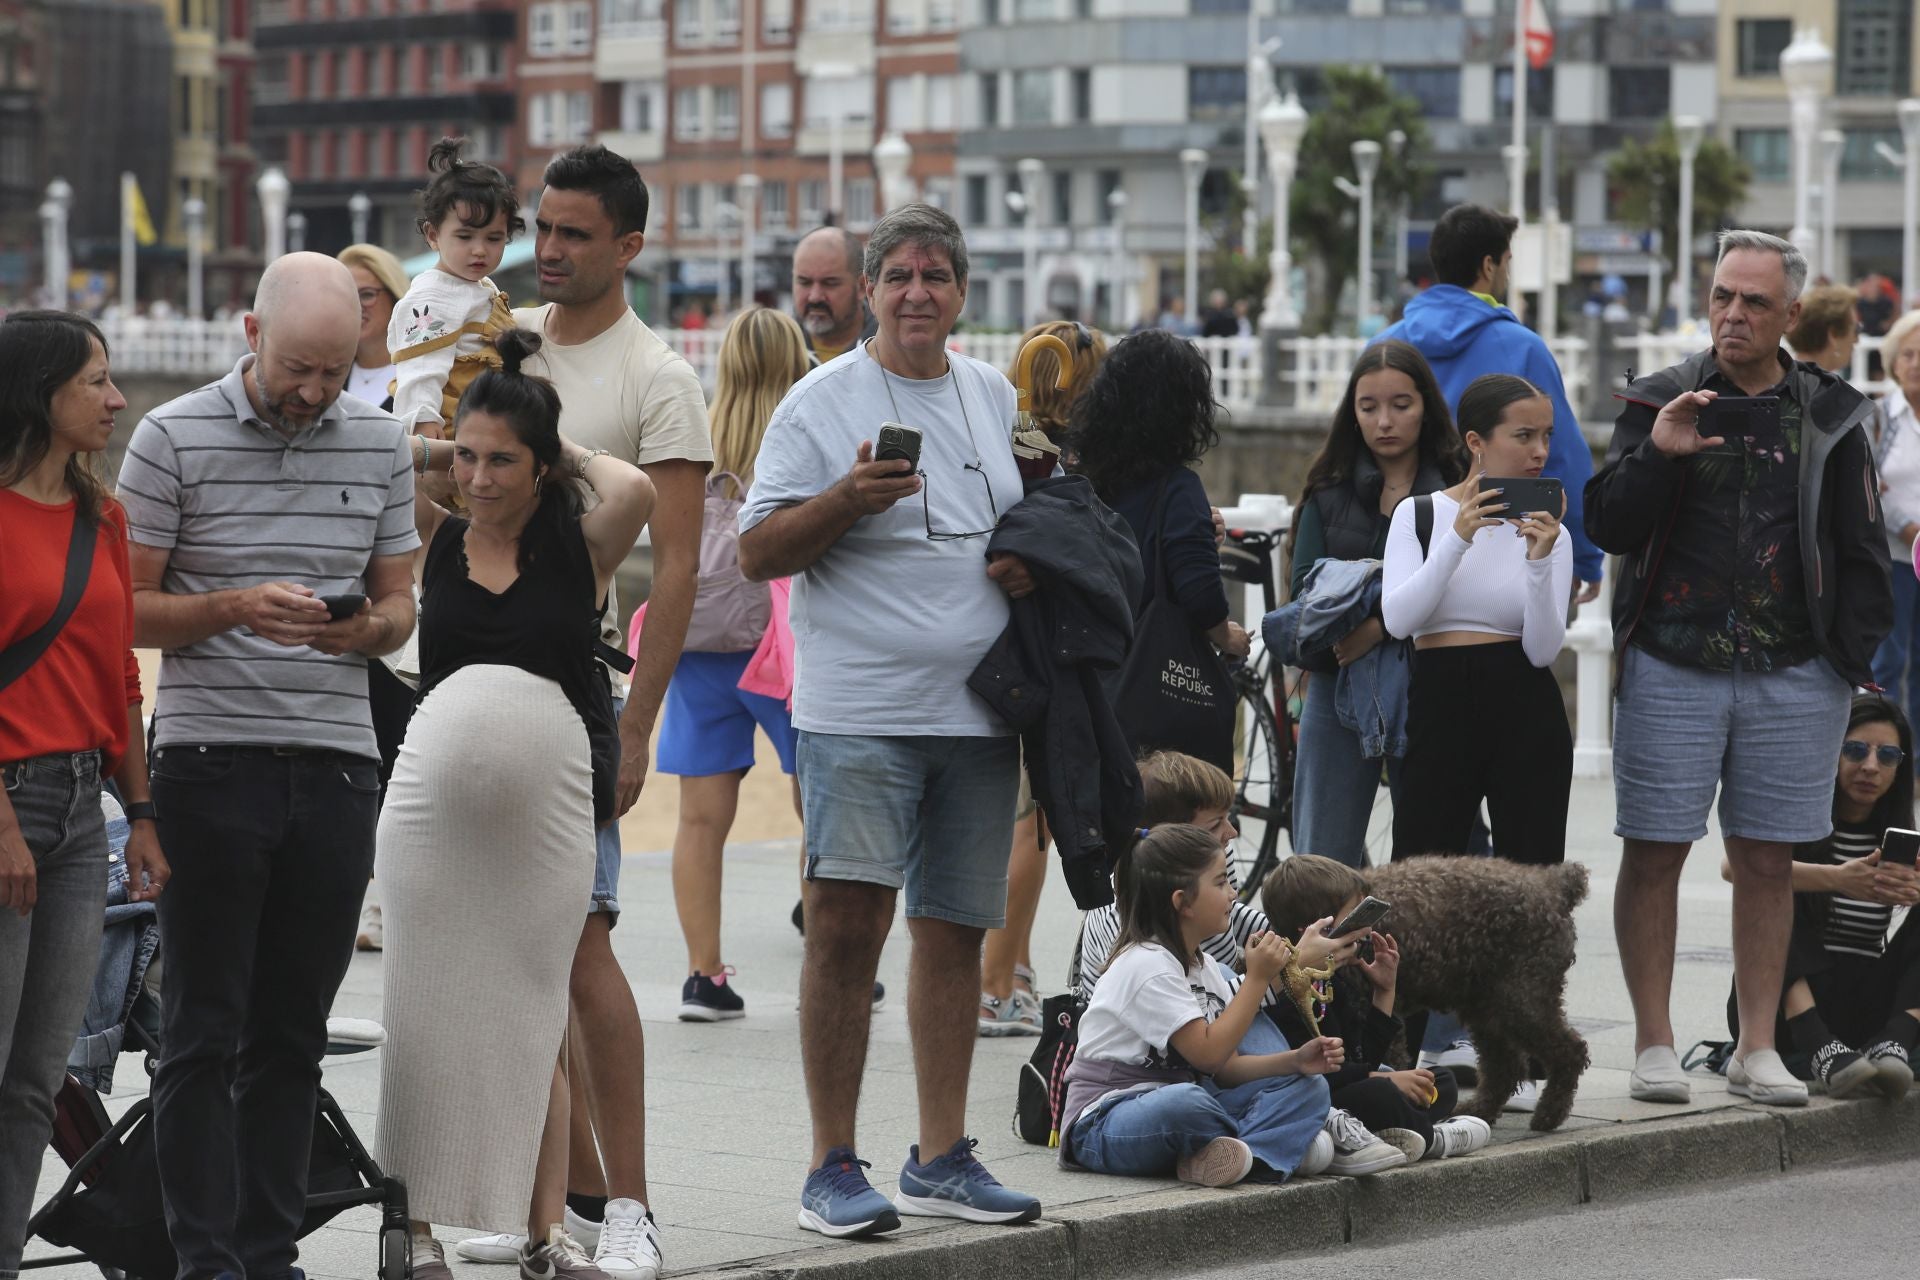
x=1851, y=995
x=486, y=842
x=1144, y=421
x=1392, y=438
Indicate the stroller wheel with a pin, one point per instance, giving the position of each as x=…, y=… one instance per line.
x=396, y=1254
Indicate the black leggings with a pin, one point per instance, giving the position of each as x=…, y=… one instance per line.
x=1377, y=1103
x=1484, y=723
x=1855, y=995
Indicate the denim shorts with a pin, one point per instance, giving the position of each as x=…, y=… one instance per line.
x=1766, y=739
x=606, y=858
x=932, y=815
x=707, y=725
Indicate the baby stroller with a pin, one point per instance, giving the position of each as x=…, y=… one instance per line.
x=109, y=1207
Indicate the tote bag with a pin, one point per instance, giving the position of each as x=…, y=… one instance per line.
x=1173, y=693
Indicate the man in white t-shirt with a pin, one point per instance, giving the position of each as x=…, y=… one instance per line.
x=907, y=778
x=623, y=390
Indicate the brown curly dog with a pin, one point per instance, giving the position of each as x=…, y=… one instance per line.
x=1491, y=941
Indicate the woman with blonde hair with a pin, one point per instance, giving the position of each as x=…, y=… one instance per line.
x=1008, y=1003
x=731, y=675
x=1898, y=456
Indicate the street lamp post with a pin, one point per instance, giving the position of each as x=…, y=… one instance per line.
x=1259, y=91
x=1688, y=131
x=1366, y=162
x=892, y=157
x=1193, y=164
x=274, y=191
x=1117, y=201
x=1804, y=66
x=193, y=218
x=53, y=223
x=1283, y=122
x=749, y=184
x=1031, y=171
x=296, y=232
x=1396, y=145
x=1910, y=209
x=723, y=213
x=359, y=206
x=1833, y=145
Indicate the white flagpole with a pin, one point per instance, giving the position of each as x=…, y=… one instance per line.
x=1517, y=157
x=129, y=250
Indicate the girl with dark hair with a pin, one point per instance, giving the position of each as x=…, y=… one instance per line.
x=511, y=598
x=69, y=717
x=1850, y=1008
x=1166, y=1079
x=1146, y=418
x=1482, y=591
x=1392, y=438
x=443, y=331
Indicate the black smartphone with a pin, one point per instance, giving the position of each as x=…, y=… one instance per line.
x=897, y=441
x=1899, y=845
x=1526, y=493
x=339, y=607
x=1369, y=913
x=1742, y=418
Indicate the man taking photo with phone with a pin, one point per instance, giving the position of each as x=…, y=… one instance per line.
x=1753, y=592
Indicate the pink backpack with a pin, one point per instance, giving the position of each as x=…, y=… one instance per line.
x=729, y=613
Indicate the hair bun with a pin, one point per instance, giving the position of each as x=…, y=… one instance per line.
x=514, y=346
x=445, y=155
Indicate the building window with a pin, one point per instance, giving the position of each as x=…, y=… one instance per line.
x=543, y=30
x=726, y=20
x=1760, y=43
x=906, y=17
x=318, y=153
x=1875, y=57
x=1108, y=184
x=630, y=19
x=989, y=90
x=687, y=206
x=848, y=100
x=485, y=61
x=1639, y=93
x=726, y=111
x=1216, y=93
x=689, y=117
x=977, y=200
x=579, y=117
x=1861, y=161
x=579, y=26
x=689, y=22
x=1033, y=96
x=640, y=106
x=343, y=154
x=343, y=86
x=773, y=205
x=942, y=15
x=903, y=104
x=776, y=109
x=541, y=129
x=1219, y=6
x=940, y=104
x=377, y=155
x=1766, y=151
x=813, y=202
x=776, y=20
x=937, y=192
x=859, y=202
x=1036, y=10
x=1082, y=95
x=1436, y=89
x=1539, y=92
x=1063, y=199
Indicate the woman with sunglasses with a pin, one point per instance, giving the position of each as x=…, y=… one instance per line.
x=1850, y=1008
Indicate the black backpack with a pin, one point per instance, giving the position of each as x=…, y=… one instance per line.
x=1043, y=1077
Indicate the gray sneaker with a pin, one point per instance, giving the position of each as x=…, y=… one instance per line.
x=429, y=1259
x=560, y=1258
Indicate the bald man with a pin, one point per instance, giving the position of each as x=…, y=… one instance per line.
x=828, y=298
x=272, y=540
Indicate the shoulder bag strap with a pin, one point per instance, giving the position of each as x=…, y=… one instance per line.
x=1423, y=522
x=1157, y=535
x=20, y=656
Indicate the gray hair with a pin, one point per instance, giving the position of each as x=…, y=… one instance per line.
x=1791, y=259
x=917, y=224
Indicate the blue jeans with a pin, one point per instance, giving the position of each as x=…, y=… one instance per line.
x=1896, y=667
x=1334, y=786
x=47, y=959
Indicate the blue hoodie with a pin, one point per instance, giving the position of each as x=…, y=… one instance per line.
x=1462, y=338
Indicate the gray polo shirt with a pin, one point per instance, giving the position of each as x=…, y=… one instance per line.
x=238, y=504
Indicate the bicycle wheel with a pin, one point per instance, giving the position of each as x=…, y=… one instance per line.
x=1263, y=789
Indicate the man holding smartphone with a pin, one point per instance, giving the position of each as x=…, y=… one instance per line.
x=1754, y=590
x=907, y=778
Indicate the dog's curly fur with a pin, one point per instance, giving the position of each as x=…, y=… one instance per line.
x=1491, y=942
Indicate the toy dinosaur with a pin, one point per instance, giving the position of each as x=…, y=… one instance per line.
x=1296, y=980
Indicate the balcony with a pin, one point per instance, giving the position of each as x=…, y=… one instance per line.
x=631, y=51
x=473, y=24
x=816, y=139
x=641, y=147
x=834, y=45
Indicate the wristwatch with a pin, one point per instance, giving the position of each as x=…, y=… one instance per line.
x=139, y=811
x=586, y=460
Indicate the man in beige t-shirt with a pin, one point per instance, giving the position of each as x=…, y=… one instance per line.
x=623, y=390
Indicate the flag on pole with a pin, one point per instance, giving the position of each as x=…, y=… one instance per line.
x=137, y=215
x=1539, y=34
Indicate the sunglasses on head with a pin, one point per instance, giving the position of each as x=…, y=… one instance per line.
x=1857, y=751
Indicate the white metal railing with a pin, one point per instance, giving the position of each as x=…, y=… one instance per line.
x=1658, y=350
x=176, y=345
x=1321, y=367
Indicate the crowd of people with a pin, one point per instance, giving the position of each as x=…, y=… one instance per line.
x=395, y=526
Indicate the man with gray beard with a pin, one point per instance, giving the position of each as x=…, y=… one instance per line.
x=826, y=292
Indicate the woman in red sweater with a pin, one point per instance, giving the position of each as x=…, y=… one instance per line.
x=67, y=721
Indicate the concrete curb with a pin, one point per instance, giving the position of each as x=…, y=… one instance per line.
x=1166, y=1231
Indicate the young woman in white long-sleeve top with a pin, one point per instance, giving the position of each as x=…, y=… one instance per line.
x=1486, y=606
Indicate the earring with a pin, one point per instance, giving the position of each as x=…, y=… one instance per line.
x=536, y=483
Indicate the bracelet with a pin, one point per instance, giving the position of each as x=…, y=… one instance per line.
x=586, y=460
x=139, y=811
x=420, y=455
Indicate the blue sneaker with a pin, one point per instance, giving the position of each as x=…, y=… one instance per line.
x=956, y=1185
x=838, y=1200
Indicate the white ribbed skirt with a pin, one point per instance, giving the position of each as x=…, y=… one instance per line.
x=485, y=863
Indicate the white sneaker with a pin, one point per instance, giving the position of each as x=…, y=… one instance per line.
x=372, y=935
x=1526, y=1097
x=584, y=1230
x=1658, y=1077
x=1460, y=1057
x=1458, y=1136
x=1319, y=1156
x=1220, y=1163
x=500, y=1247
x=629, y=1246
x=1356, y=1151
x=1761, y=1077
x=1409, y=1143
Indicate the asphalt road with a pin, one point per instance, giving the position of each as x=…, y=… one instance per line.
x=1854, y=1221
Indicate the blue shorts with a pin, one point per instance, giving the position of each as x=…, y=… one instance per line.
x=606, y=858
x=707, y=725
x=932, y=815
x=1767, y=739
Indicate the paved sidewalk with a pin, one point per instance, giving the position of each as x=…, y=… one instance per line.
x=728, y=1140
